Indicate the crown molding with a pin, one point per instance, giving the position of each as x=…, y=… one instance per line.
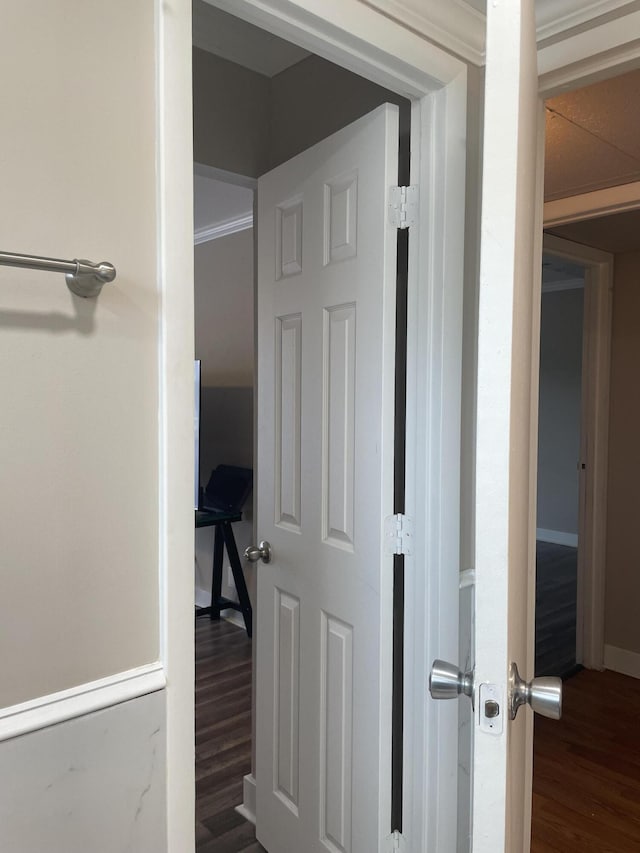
x=455, y=25
x=459, y=27
x=223, y=229
x=592, y=205
x=554, y=17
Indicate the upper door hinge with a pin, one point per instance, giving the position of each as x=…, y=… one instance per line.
x=403, y=206
x=398, y=534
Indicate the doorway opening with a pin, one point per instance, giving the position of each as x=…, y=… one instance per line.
x=591, y=219
x=258, y=102
x=560, y=462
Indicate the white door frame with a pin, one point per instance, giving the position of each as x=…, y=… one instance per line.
x=594, y=444
x=361, y=40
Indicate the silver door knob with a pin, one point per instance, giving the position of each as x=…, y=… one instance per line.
x=446, y=681
x=543, y=695
x=260, y=552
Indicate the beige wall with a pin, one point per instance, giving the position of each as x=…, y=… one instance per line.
x=79, y=378
x=622, y=628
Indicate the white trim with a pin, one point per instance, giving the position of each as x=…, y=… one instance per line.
x=248, y=807
x=567, y=284
x=592, y=205
x=567, y=14
x=594, y=441
x=589, y=55
x=557, y=537
x=356, y=37
x=456, y=25
x=223, y=229
x=80, y=700
x=174, y=179
x=622, y=660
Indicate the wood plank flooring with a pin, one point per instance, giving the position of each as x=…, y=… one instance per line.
x=586, y=781
x=586, y=790
x=223, y=737
x=556, y=593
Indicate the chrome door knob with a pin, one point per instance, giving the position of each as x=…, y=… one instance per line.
x=446, y=681
x=543, y=695
x=260, y=552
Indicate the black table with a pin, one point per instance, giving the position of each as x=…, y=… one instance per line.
x=223, y=536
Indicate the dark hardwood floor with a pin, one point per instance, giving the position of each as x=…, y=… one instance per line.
x=586, y=788
x=223, y=737
x=556, y=593
x=586, y=781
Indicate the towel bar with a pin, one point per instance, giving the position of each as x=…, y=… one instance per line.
x=83, y=278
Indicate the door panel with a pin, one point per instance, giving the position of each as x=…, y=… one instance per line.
x=505, y=449
x=326, y=341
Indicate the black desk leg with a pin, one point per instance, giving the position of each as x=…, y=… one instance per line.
x=238, y=576
x=216, y=580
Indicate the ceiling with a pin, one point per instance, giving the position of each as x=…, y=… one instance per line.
x=593, y=137
x=617, y=233
x=240, y=42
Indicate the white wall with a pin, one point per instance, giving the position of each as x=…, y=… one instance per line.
x=79, y=379
x=560, y=414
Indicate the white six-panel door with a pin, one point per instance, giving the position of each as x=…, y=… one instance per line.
x=326, y=352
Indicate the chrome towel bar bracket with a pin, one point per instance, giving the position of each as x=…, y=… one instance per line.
x=83, y=278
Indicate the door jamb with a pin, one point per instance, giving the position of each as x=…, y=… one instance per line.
x=594, y=444
x=399, y=59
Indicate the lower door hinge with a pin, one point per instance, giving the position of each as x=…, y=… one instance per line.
x=398, y=534
x=397, y=842
x=403, y=206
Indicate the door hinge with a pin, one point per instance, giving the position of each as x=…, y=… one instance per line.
x=403, y=206
x=398, y=534
x=397, y=842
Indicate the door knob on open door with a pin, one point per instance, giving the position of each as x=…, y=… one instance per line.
x=446, y=681
x=544, y=695
x=260, y=552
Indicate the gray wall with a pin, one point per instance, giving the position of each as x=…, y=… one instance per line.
x=560, y=410
x=230, y=115
x=223, y=275
x=248, y=123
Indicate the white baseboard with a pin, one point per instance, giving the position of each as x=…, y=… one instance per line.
x=557, y=537
x=202, y=597
x=623, y=661
x=78, y=701
x=248, y=807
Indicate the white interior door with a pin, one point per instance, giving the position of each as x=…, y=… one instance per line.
x=506, y=427
x=326, y=353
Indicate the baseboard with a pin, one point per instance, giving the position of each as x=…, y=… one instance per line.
x=623, y=661
x=78, y=701
x=557, y=537
x=248, y=807
x=202, y=597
